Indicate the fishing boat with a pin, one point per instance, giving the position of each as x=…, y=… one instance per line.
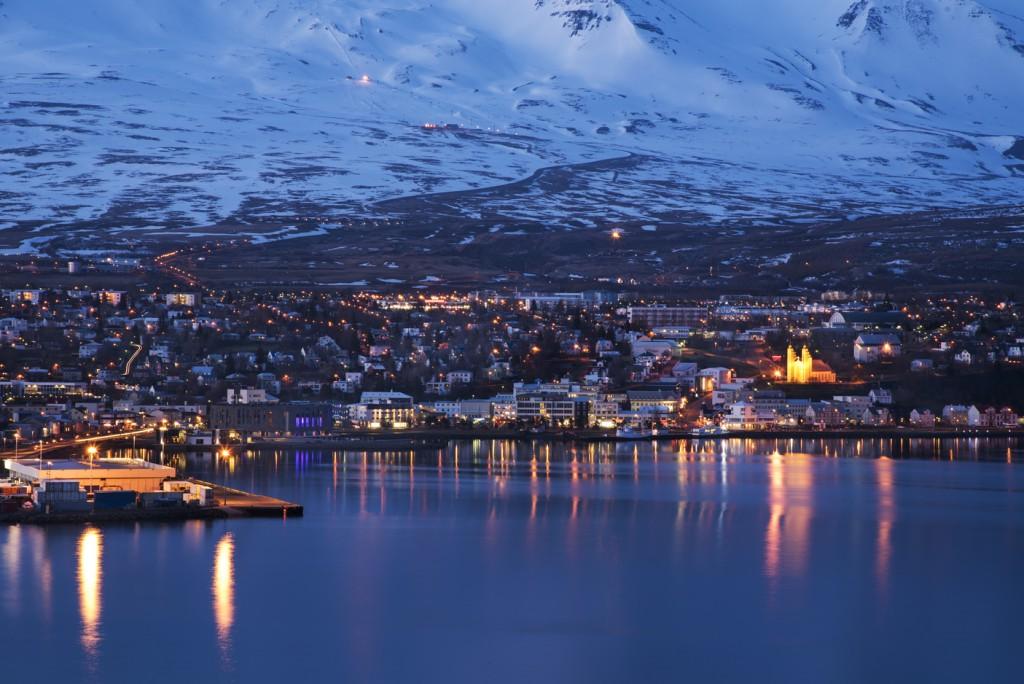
x=635, y=432
x=707, y=431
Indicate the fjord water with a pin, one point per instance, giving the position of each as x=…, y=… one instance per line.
x=741, y=560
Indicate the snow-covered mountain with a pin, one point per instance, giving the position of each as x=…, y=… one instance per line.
x=133, y=113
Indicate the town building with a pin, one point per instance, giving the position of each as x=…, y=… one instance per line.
x=249, y=395
x=112, y=297
x=867, y=320
x=279, y=420
x=804, y=369
x=560, y=404
x=384, y=409
x=709, y=379
x=667, y=316
x=182, y=299
x=98, y=474
x=657, y=401
x=476, y=409
x=872, y=347
x=956, y=415
x=922, y=419
x=881, y=397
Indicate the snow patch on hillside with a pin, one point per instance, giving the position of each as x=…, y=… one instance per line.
x=132, y=113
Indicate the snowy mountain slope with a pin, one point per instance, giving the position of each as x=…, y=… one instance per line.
x=129, y=113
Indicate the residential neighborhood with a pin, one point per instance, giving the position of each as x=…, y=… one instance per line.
x=243, y=364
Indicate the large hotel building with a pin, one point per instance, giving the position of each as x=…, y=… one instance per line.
x=668, y=316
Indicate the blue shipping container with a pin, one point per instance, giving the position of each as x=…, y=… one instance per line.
x=114, y=500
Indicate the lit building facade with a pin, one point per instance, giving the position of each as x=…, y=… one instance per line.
x=271, y=419
x=804, y=369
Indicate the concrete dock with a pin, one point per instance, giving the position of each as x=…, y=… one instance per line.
x=245, y=504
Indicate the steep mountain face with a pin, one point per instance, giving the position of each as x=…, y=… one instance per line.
x=155, y=113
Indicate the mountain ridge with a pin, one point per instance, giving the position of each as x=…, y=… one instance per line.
x=153, y=113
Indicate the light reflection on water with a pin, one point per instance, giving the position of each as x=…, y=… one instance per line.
x=11, y=554
x=886, y=516
x=790, y=503
x=90, y=589
x=503, y=452
x=782, y=523
x=224, y=593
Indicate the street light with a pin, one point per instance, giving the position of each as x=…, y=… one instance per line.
x=162, y=429
x=91, y=451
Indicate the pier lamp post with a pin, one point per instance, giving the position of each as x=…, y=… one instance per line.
x=91, y=451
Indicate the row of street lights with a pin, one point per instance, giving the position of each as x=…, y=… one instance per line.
x=91, y=450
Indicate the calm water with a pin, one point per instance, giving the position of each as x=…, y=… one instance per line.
x=522, y=562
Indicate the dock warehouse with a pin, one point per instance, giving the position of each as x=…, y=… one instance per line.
x=102, y=473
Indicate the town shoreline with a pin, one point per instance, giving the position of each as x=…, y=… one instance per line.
x=428, y=440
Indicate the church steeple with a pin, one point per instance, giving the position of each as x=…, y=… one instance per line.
x=800, y=369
